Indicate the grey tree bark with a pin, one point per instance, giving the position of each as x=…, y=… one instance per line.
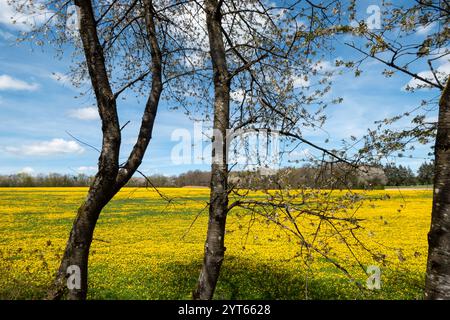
x=110, y=177
x=437, y=284
x=214, y=245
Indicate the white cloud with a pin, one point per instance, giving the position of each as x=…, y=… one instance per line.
x=71, y=81
x=431, y=119
x=237, y=95
x=9, y=83
x=88, y=113
x=445, y=68
x=300, y=81
x=45, y=148
x=27, y=170
x=442, y=73
x=320, y=67
x=83, y=169
x=324, y=66
x=6, y=35
x=425, y=30
x=299, y=154
x=61, y=78
x=33, y=14
x=192, y=17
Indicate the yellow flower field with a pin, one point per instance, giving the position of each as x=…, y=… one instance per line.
x=146, y=248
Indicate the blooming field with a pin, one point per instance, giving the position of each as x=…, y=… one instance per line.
x=146, y=248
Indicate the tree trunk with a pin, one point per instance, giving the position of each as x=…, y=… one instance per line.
x=79, y=243
x=438, y=267
x=77, y=248
x=214, y=245
x=110, y=178
x=148, y=119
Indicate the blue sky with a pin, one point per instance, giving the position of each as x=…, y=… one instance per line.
x=37, y=110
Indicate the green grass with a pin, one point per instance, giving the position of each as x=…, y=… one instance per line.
x=142, y=250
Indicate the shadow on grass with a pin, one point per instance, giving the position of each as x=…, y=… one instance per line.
x=246, y=280
x=240, y=280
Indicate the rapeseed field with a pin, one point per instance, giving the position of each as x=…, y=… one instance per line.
x=147, y=248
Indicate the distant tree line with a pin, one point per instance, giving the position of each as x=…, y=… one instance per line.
x=48, y=180
x=194, y=178
x=403, y=176
x=307, y=176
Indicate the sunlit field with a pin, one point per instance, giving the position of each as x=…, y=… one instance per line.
x=147, y=248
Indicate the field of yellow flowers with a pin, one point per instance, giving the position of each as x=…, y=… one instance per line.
x=147, y=248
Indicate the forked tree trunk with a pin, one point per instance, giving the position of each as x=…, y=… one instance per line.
x=214, y=245
x=438, y=267
x=77, y=248
x=110, y=178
